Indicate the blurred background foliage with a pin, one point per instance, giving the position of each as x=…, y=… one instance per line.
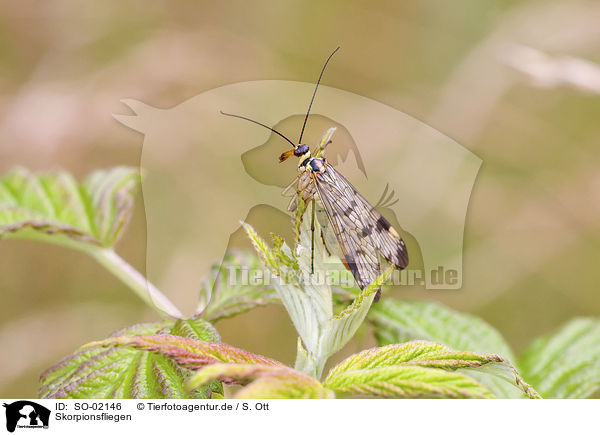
x=516, y=82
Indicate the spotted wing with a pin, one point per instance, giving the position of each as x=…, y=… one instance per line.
x=360, y=229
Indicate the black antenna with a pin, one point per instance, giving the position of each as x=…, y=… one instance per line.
x=315, y=93
x=256, y=122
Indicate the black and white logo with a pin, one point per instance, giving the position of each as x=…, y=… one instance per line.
x=26, y=414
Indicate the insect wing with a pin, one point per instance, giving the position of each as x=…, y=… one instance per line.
x=360, y=229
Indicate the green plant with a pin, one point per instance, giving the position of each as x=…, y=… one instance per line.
x=426, y=350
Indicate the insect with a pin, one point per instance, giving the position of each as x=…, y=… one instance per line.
x=361, y=231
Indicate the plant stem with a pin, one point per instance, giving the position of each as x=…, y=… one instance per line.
x=135, y=281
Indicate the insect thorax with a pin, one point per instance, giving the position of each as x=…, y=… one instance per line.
x=310, y=163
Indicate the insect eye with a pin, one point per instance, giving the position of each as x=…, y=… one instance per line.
x=301, y=150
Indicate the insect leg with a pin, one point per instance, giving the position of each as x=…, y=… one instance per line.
x=325, y=243
x=312, y=239
x=291, y=188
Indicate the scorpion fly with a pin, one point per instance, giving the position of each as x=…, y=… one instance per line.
x=361, y=231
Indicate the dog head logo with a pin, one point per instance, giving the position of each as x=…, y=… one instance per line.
x=231, y=167
x=26, y=414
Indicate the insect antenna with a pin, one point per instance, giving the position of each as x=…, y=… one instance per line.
x=315, y=93
x=259, y=123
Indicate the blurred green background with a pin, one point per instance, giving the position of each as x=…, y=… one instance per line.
x=516, y=82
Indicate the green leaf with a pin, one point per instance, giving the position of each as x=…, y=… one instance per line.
x=406, y=382
x=346, y=323
x=225, y=294
x=91, y=216
x=303, y=289
x=282, y=387
x=266, y=378
x=305, y=362
x=112, y=195
x=195, y=328
x=304, y=304
x=415, y=369
x=187, y=352
x=120, y=372
x=421, y=353
x=567, y=364
x=325, y=140
x=53, y=207
x=262, y=381
x=400, y=321
x=283, y=253
x=114, y=373
x=262, y=248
